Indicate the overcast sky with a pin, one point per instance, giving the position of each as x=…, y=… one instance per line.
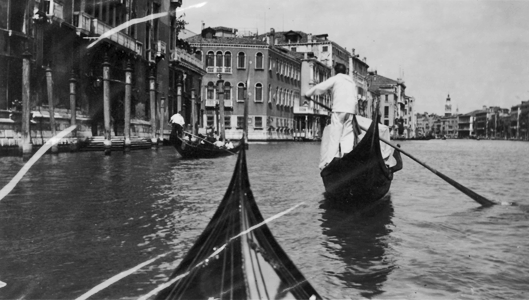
x=476, y=51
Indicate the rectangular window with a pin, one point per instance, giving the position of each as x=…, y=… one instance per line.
x=386, y=122
x=227, y=122
x=210, y=121
x=325, y=48
x=293, y=49
x=386, y=96
x=386, y=112
x=240, y=122
x=258, y=122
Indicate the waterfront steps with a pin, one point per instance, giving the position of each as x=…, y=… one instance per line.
x=96, y=143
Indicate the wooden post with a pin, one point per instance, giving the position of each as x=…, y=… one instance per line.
x=152, y=98
x=162, y=115
x=106, y=106
x=193, y=120
x=128, y=90
x=306, y=125
x=26, y=145
x=220, y=91
x=49, y=81
x=73, y=111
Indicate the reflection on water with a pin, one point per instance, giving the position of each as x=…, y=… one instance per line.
x=360, y=239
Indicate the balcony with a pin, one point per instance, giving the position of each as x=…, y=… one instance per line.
x=118, y=37
x=181, y=56
x=228, y=103
x=82, y=21
x=210, y=102
x=210, y=69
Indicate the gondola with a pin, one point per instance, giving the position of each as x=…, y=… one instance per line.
x=360, y=176
x=190, y=150
x=235, y=258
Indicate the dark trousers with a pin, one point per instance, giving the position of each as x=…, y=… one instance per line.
x=179, y=129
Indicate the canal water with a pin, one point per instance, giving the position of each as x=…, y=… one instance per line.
x=78, y=219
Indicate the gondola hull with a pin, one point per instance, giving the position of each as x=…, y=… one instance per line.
x=193, y=151
x=236, y=257
x=360, y=176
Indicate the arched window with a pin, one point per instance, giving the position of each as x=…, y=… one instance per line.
x=227, y=91
x=259, y=61
x=218, y=61
x=210, y=90
x=258, y=92
x=241, y=60
x=198, y=55
x=227, y=62
x=240, y=91
x=210, y=59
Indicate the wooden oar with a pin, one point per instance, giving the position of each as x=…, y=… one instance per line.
x=478, y=198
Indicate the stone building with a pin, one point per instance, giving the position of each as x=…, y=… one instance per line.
x=271, y=74
x=91, y=67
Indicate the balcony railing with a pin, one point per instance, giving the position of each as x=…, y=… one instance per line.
x=228, y=103
x=182, y=56
x=210, y=69
x=210, y=103
x=118, y=37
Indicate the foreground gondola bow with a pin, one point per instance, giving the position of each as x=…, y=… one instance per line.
x=235, y=257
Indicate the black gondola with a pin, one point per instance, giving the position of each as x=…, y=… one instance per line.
x=235, y=257
x=191, y=150
x=360, y=176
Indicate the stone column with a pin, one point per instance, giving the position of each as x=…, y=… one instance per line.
x=128, y=90
x=106, y=106
x=26, y=147
x=152, y=99
x=178, y=93
x=73, y=111
x=49, y=81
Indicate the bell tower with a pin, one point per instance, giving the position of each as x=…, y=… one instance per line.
x=448, y=107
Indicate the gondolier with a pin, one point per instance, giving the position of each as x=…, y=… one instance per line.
x=344, y=96
x=178, y=121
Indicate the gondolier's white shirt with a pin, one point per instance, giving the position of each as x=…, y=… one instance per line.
x=343, y=92
x=178, y=119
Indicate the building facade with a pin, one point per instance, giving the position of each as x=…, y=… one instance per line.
x=271, y=75
x=85, y=71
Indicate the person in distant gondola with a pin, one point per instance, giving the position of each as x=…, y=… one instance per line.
x=344, y=97
x=178, y=122
x=229, y=144
x=219, y=143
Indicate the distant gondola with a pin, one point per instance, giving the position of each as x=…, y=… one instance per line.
x=233, y=260
x=360, y=176
x=191, y=150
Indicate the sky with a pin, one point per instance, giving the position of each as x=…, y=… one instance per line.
x=475, y=51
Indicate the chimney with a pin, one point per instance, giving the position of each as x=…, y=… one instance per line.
x=309, y=38
x=272, y=37
x=353, y=51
